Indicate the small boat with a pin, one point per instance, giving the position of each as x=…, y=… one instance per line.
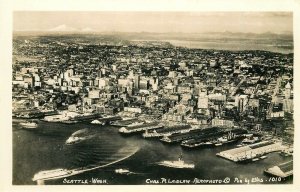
x=263, y=157
x=29, y=125
x=255, y=159
x=122, y=171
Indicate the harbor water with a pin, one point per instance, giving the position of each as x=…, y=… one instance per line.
x=44, y=148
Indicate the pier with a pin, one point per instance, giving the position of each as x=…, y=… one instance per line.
x=283, y=170
x=250, y=152
x=140, y=128
x=192, y=134
x=124, y=122
x=167, y=131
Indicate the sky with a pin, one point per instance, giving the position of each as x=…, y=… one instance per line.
x=159, y=22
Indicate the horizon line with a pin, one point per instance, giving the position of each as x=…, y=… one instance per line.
x=203, y=32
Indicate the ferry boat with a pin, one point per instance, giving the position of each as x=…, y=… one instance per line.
x=97, y=122
x=51, y=174
x=74, y=139
x=177, y=164
x=78, y=136
x=29, y=125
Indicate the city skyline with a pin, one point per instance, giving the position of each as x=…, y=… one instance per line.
x=154, y=22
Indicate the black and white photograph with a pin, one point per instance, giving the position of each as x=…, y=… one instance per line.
x=152, y=97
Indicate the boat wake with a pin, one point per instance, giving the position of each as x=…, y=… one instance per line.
x=126, y=172
x=120, y=155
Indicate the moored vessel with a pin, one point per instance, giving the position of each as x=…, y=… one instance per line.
x=29, y=125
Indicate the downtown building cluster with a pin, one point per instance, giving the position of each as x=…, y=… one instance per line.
x=153, y=81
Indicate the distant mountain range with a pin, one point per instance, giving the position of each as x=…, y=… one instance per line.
x=65, y=28
x=69, y=29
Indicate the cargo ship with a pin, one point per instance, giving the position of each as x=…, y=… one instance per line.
x=212, y=139
x=197, y=144
x=229, y=138
x=179, y=164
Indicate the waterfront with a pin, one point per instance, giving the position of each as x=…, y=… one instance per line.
x=230, y=45
x=44, y=149
x=237, y=45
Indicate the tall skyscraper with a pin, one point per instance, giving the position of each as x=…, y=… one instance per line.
x=287, y=90
x=136, y=81
x=202, y=99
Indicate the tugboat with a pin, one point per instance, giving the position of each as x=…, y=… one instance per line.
x=29, y=125
x=177, y=164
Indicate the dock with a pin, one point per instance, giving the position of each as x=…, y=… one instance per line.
x=282, y=170
x=250, y=152
x=192, y=134
x=167, y=131
x=124, y=122
x=140, y=127
x=212, y=139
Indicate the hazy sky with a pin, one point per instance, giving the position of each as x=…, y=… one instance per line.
x=186, y=22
